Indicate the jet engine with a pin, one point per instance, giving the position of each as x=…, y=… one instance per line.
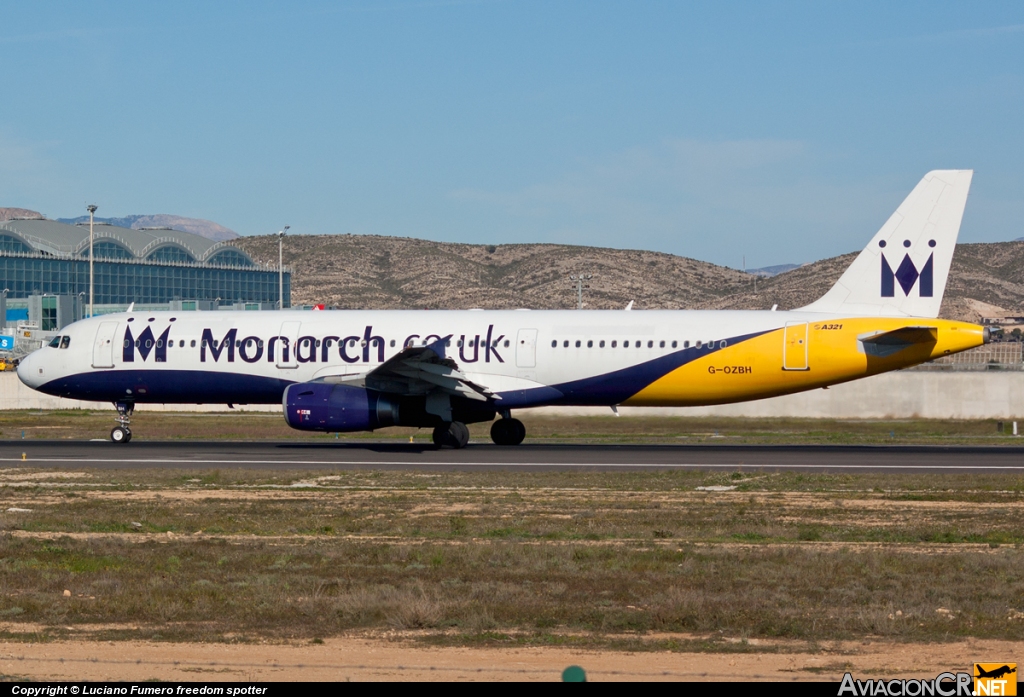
x=319, y=406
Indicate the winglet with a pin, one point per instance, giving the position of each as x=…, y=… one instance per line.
x=439, y=346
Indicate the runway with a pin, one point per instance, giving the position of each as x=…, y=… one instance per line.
x=483, y=457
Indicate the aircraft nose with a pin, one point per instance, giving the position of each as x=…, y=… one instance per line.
x=30, y=371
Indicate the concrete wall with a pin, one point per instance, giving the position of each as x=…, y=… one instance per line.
x=900, y=395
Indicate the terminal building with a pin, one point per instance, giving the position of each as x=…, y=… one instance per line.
x=148, y=267
x=44, y=273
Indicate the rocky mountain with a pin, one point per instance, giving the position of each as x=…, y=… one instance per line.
x=391, y=272
x=769, y=271
x=205, y=228
x=985, y=280
x=13, y=213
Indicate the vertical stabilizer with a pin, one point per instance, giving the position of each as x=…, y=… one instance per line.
x=903, y=270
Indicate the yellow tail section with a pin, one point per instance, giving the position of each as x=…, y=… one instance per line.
x=803, y=356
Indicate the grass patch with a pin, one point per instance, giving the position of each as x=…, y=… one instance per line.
x=590, y=559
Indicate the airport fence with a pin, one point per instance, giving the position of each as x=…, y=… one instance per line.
x=1003, y=355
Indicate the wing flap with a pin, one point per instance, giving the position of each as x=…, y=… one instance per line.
x=418, y=370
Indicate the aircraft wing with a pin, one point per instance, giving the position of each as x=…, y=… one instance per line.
x=888, y=343
x=418, y=370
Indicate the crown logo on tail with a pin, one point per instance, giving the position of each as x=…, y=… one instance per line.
x=907, y=275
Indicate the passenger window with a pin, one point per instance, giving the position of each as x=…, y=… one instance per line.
x=54, y=342
x=722, y=344
x=674, y=344
x=686, y=344
x=392, y=343
x=650, y=344
x=697, y=344
x=554, y=344
x=506, y=343
x=614, y=343
x=565, y=344
x=578, y=344
x=625, y=344
x=590, y=344
x=661, y=345
x=601, y=345
x=193, y=343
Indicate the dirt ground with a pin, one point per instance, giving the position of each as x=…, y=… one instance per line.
x=369, y=658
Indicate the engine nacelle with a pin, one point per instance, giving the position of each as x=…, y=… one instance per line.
x=319, y=406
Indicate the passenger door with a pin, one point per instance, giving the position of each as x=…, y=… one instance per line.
x=794, y=347
x=289, y=332
x=526, y=348
x=103, y=347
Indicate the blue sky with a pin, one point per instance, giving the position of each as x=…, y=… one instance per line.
x=785, y=132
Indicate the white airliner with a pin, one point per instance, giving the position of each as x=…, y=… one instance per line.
x=343, y=371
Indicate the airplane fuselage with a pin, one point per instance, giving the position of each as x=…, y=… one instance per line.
x=525, y=358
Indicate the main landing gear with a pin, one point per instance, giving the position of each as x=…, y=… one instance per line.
x=454, y=435
x=504, y=431
x=508, y=431
x=122, y=433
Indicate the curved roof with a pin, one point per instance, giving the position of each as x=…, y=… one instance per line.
x=59, y=239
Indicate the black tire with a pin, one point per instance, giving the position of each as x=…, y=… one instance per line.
x=518, y=431
x=508, y=432
x=129, y=438
x=120, y=435
x=453, y=435
x=460, y=434
x=440, y=436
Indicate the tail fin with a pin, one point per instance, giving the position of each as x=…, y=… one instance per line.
x=903, y=270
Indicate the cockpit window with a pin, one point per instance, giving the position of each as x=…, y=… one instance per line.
x=54, y=342
x=65, y=342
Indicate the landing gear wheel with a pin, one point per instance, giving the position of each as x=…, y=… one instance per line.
x=508, y=432
x=122, y=433
x=454, y=435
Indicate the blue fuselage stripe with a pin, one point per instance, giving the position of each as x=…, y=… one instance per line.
x=164, y=386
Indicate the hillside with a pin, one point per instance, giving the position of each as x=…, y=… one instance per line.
x=14, y=213
x=365, y=272
x=392, y=272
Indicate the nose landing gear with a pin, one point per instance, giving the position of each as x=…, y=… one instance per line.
x=122, y=433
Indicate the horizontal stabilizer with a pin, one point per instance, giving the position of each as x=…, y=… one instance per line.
x=888, y=343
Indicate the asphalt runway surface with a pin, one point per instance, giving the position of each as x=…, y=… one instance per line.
x=526, y=457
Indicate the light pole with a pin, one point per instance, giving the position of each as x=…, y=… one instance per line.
x=578, y=281
x=280, y=267
x=92, y=210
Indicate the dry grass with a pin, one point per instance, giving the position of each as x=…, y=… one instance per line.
x=76, y=424
x=599, y=559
